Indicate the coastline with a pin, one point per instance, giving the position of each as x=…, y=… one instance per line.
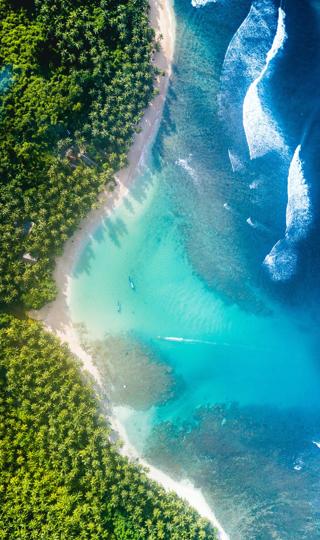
x=183, y=488
x=55, y=316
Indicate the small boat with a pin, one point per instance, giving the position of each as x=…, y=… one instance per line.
x=132, y=285
x=118, y=307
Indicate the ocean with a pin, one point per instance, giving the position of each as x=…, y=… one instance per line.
x=199, y=296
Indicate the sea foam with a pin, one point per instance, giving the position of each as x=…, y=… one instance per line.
x=261, y=131
x=201, y=3
x=282, y=259
x=244, y=62
x=298, y=213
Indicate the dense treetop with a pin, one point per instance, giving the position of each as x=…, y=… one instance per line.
x=75, y=76
x=60, y=476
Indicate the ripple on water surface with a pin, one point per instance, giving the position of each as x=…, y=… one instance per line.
x=213, y=372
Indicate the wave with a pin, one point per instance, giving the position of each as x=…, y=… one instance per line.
x=298, y=213
x=251, y=222
x=254, y=185
x=261, y=131
x=282, y=259
x=244, y=61
x=201, y=3
x=298, y=464
x=185, y=164
x=236, y=163
x=281, y=262
x=258, y=225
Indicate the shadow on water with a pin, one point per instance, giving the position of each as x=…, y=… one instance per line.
x=84, y=264
x=139, y=189
x=114, y=227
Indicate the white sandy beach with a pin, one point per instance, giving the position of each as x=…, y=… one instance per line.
x=55, y=316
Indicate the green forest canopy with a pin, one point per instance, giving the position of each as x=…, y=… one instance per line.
x=60, y=476
x=75, y=77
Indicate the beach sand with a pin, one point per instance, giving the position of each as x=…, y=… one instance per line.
x=55, y=315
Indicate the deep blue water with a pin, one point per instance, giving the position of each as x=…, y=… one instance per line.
x=220, y=236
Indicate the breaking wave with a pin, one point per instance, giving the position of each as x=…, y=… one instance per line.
x=298, y=213
x=281, y=262
x=254, y=185
x=244, y=61
x=236, y=163
x=201, y=3
x=261, y=131
x=282, y=259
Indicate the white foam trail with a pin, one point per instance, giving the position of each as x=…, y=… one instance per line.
x=187, y=340
x=317, y=443
x=261, y=131
x=282, y=259
x=213, y=343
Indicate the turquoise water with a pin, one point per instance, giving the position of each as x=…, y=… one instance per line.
x=244, y=409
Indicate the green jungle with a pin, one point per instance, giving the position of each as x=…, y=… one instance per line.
x=75, y=78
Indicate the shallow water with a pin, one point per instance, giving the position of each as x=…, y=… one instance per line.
x=178, y=273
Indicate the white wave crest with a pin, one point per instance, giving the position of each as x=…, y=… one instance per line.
x=201, y=3
x=282, y=259
x=244, y=61
x=261, y=131
x=247, y=48
x=257, y=225
x=236, y=163
x=252, y=223
x=281, y=262
x=254, y=185
x=298, y=213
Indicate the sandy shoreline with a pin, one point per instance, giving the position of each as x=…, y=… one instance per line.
x=55, y=316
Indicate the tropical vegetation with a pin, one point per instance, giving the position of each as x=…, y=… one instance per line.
x=61, y=477
x=75, y=77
